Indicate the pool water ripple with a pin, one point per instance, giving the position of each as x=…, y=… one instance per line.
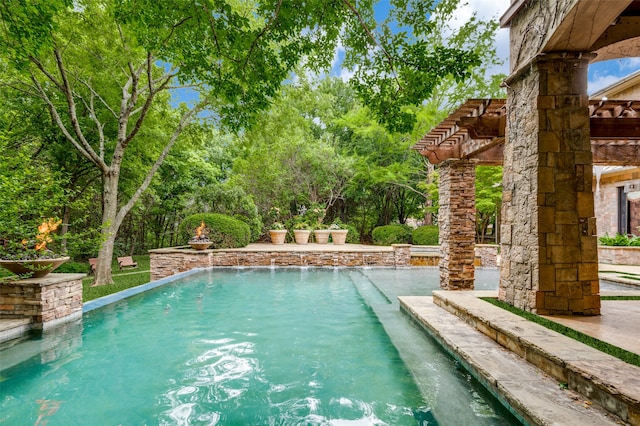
x=228, y=347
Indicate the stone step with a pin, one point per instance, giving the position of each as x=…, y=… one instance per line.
x=532, y=395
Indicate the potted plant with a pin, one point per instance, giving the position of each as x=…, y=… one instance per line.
x=200, y=241
x=338, y=234
x=278, y=233
x=301, y=232
x=30, y=257
x=321, y=233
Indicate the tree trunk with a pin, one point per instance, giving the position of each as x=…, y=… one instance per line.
x=110, y=225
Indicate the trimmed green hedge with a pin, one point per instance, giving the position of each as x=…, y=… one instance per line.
x=426, y=235
x=224, y=231
x=391, y=234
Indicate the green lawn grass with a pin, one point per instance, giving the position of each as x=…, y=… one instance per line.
x=122, y=279
x=624, y=355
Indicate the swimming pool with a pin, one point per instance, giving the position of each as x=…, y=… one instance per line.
x=250, y=347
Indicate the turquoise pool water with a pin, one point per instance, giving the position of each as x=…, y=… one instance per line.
x=247, y=347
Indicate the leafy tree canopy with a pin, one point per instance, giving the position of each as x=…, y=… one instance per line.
x=239, y=52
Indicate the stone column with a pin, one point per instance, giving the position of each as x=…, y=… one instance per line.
x=549, y=246
x=457, y=221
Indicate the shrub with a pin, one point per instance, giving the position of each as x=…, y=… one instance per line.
x=224, y=231
x=619, y=240
x=426, y=235
x=353, y=237
x=391, y=234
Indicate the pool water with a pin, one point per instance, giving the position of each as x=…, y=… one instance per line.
x=248, y=347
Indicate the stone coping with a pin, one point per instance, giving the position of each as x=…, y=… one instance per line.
x=49, y=279
x=606, y=380
x=287, y=247
x=116, y=297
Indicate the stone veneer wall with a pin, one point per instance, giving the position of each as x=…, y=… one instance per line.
x=49, y=300
x=167, y=262
x=486, y=255
x=549, y=246
x=619, y=255
x=457, y=221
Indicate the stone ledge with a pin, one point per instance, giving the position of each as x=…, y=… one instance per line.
x=583, y=368
x=532, y=396
x=49, y=279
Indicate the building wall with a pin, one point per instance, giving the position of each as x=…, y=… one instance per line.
x=606, y=202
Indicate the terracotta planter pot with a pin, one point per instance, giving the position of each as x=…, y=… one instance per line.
x=339, y=236
x=321, y=236
x=37, y=268
x=278, y=236
x=200, y=246
x=302, y=236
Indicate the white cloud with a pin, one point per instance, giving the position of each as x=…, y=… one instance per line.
x=487, y=10
x=601, y=81
x=632, y=64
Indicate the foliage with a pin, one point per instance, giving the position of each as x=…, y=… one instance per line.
x=620, y=240
x=391, y=234
x=301, y=225
x=99, y=76
x=426, y=235
x=488, y=198
x=30, y=192
x=353, y=236
x=224, y=231
x=624, y=355
x=233, y=201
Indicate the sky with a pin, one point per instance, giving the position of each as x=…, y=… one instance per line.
x=601, y=74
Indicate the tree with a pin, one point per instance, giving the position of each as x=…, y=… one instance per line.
x=104, y=67
x=298, y=162
x=488, y=199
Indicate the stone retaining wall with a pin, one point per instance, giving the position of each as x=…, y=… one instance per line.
x=486, y=255
x=619, y=255
x=167, y=262
x=49, y=300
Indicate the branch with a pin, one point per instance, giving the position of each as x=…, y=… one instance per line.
x=266, y=28
x=147, y=105
x=47, y=74
x=71, y=106
x=87, y=153
x=184, y=122
x=410, y=188
x=213, y=27
x=92, y=113
x=94, y=93
x=370, y=35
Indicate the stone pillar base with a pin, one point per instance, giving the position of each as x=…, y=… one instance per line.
x=47, y=301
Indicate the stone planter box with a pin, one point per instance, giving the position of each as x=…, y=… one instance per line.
x=46, y=301
x=619, y=255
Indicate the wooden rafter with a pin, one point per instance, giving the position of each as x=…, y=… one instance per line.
x=476, y=130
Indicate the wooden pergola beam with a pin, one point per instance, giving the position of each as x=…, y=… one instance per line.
x=477, y=130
